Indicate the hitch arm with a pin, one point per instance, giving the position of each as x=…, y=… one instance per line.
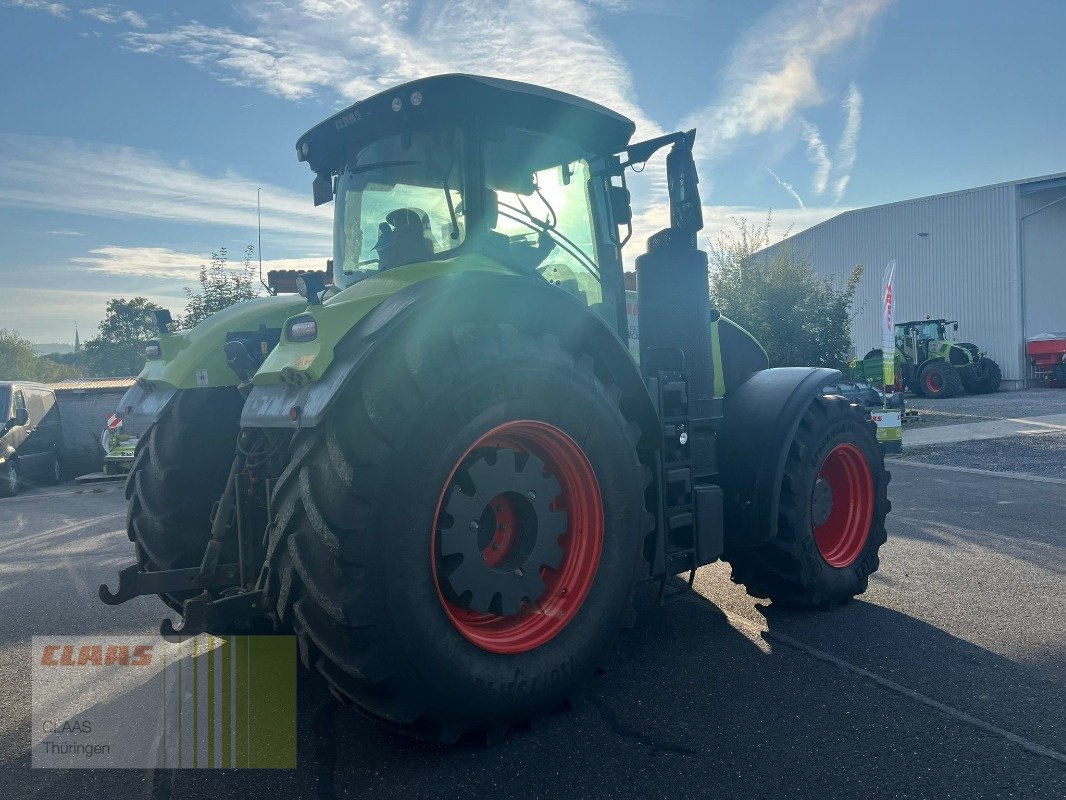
x=203, y=613
x=134, y=583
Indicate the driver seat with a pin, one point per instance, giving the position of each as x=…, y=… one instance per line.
x=404, y=237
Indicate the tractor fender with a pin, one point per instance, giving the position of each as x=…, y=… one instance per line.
x=529, y=303
x=761, y=417
x=142, y=405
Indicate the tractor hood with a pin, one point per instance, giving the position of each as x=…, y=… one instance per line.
x=195, y=358
x=298, y=362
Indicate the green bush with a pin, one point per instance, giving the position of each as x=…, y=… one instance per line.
x=800, y=318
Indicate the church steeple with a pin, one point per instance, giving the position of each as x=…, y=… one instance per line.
x=77, y=341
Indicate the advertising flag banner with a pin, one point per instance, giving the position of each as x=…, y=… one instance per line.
x=888, y=324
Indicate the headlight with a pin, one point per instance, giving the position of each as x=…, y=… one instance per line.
x=152, y=351
x=302, y=329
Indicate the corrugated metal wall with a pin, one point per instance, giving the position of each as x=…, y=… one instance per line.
x=965, y=267
x=1043, y=252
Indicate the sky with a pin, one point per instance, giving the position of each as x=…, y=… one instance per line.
x=134, y=137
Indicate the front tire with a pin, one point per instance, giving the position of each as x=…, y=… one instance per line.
x=10, y=480
x=383, y=557
x=983, y=377
x=179, y=471
x=831, y=523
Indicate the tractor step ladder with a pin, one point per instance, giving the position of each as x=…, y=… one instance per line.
x=678, y=506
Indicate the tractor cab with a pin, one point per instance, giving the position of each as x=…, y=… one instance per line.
x=456, y=164
x=913, y=338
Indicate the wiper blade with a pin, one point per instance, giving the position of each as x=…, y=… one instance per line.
x=358, y=170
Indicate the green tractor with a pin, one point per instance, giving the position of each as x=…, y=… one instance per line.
x=444, y=471
x=930, y=364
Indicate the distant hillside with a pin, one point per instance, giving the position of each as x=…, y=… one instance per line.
x=45, y=348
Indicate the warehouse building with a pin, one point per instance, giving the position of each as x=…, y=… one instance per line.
x=993, y=258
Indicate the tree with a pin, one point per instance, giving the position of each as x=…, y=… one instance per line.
x=220, y=287
x=118, y=349
x=800, y=318
x=20, y=362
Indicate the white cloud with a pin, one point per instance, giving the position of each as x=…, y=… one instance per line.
x=818, y=155
x=67, y=175
x=351, y=49
x=772, y=73
x=354, y=48
x=104, y=14
x=109, y=15
x=847, y=150
x=788, y=187
x=134, y=19
x=55, y=9
x=66, y=232
x=163, y=262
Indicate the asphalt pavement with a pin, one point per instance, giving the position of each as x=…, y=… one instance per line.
x=946, y=679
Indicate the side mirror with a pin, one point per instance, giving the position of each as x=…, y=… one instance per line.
x=956, y=326
x=21, y=416
x=322, y=188
x=621, y=206
x=686, y=209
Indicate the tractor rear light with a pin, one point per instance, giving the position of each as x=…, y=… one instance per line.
x=302, y=329
x=153, y=351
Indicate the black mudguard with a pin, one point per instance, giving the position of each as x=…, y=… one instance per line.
x=141, y=406
x=761, y=416
x=529, y=303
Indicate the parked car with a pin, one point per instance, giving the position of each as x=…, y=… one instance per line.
x=31, y=439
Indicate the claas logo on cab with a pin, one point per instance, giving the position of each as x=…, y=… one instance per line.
x=96, y=655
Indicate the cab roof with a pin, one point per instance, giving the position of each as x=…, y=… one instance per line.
x=472, y=101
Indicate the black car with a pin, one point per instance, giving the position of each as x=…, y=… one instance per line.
x=31, y=437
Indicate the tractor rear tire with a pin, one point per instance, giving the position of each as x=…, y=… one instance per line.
x=984, y=377
x=365, y=550
x=179, y=471
x=831, y=518
x=939, y=380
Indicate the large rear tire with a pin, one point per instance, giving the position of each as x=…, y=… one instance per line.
x=831, y=523
x=179, y=471
x=454, y=546
x=939, y=380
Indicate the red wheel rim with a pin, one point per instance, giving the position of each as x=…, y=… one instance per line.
x=933, y=382
x=566, y=587
x=842, y=536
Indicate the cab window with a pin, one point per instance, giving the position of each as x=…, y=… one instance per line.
x=538, y=210
x=399, y=201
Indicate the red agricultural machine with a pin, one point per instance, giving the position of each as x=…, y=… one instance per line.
x=1047, y=355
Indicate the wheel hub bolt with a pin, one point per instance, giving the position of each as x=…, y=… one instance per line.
x=532, y=495
x=473, y=526
x=518, y=573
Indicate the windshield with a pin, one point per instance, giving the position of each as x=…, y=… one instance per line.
x=5, y=404
x=399, y=202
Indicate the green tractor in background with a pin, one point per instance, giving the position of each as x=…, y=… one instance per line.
x=444, y=471
x=932, y=365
